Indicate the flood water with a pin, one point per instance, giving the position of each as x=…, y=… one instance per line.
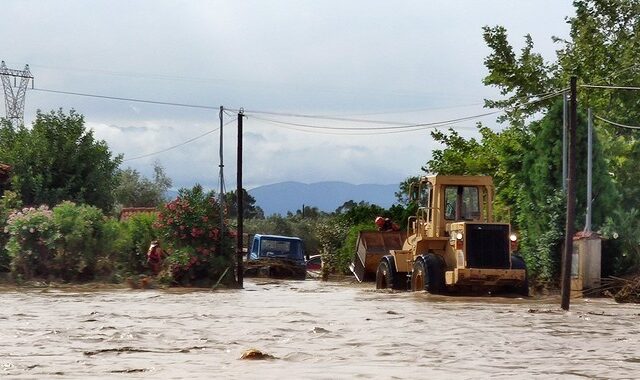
x=315, y=330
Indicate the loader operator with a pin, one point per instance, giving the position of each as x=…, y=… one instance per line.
x=385, y=224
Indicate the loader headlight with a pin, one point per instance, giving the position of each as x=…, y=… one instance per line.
x=459, y=236
x=513, y=237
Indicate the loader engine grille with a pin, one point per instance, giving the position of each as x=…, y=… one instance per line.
x=487, y=246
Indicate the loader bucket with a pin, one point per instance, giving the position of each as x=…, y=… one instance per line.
x=370, y=248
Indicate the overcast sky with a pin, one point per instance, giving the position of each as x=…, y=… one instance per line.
x=403, y=62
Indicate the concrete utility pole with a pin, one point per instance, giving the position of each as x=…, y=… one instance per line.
x=239, y=195
x=14, y=101
x=587, y=224
x=571, y=196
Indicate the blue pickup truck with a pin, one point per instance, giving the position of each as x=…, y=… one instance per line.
x=276, y=256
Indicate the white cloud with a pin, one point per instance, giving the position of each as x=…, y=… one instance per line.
x=329, y=58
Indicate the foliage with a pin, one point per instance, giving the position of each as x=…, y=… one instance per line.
x=58, y=159
x=331, y=235
x=346, y=252
x=78, y=228
x=541, y=240
x=134, y=190
x=621, y=228
x=8, y=203
x=602, y=50
x=403, y=193
x=353, y=213
x=137, y=233
x=520, y=77
x=115, y=243
x=32, y=241
x=250, y=210
x=199, y=252
x=497, y=154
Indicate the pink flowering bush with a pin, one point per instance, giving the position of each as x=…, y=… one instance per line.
x=199, y=250
x=32, y=239
x=64, y=243
x=8, y=204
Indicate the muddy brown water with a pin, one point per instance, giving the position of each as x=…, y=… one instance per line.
x=315, y=330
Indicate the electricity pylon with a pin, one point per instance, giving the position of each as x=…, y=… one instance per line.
x=14, y=100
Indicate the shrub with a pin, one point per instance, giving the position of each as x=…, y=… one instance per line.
x=32, y=239
x=8, y=204
x=77, y=247
x=348, y=249
x=138, y=232
x=199, y=253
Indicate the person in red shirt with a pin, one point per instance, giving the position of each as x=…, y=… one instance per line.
x=154, y=257
x=385, y=224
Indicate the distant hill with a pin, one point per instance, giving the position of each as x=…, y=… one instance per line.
x=279, y=198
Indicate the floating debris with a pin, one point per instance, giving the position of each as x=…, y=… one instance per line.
x=542, y=311
x=254, y=354
x=141, y=282
x=622, y=290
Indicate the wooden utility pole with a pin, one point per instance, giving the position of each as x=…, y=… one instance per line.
x=571, y=196
x=240, y=198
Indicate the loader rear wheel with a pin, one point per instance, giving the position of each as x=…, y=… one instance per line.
x=385, y=275
x=419, y=276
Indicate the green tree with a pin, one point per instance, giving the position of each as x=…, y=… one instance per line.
x=136, y=190
x=356, y=213
x=496, y=154
x=59, y=159
x=602, y=50
x=251, y=210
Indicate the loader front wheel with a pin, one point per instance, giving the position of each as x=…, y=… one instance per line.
x=385, y=275
x=419, y=275
x=434, y=274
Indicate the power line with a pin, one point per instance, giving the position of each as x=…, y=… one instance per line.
x=177, y=145
x=127, y=99
x=611, y=87
x=380, y=130
x=360, y=132
x=398, y=125
x=615, y=124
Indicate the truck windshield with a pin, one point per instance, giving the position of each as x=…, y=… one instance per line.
x=289, y=249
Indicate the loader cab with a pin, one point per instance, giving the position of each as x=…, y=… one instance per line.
x=461, y=203
x=443, y=200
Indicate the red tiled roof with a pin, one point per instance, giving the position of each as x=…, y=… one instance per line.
x=128, y=211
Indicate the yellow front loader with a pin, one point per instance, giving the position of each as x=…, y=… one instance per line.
x=452, y=244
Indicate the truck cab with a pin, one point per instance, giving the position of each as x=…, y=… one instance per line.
x=277, y=247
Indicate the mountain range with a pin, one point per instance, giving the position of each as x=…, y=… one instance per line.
x=279, y=198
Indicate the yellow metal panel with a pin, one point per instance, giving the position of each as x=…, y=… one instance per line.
x=404, y=260
x=473, y=276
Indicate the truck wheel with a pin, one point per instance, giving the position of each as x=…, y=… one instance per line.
x=419, y=276
x=386, y=276
x=517, y=262
x=434, y=274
